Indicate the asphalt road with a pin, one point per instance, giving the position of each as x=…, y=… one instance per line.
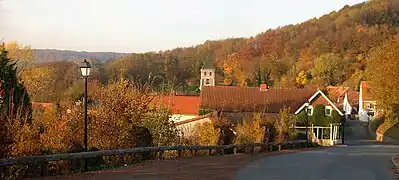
x=361, y=159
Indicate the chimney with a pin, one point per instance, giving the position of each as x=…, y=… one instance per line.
x=264, y=87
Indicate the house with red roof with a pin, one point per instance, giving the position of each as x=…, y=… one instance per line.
x=238, y=103
x=182, y=107
x=367, y=102
x=320, y=98
x=235, y=103
x=345, y=98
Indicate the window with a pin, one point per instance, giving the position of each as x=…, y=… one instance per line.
x=205, y=73
x=207, y=81
x=328, y=111
x=210, y=73
x=310, y=110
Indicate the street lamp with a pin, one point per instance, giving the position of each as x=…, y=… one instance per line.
x=85, y=68
x=307, y=121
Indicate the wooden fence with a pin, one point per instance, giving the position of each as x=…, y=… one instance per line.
x=31, y=160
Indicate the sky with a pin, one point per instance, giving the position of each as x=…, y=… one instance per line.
x=148, y=25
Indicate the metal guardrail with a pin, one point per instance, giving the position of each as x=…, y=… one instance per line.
x=24, y=160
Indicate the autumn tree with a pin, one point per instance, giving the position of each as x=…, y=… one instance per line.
x=22, y=54
x=39, y=81
x=303, y=78
x=383, y=72
x=251, y=131
x=204, y=134
x=15, y=99
x=328, y=68
x=15, y=112
x=123, y=106
x=283, y=126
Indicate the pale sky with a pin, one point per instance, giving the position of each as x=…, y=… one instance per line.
x=148, y=25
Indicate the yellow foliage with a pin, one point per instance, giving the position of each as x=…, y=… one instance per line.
x=37, y=80
x=19, y=52
x=383, y=73
x=301, y=79
x=284, y=132
x=27, y=140
x=120, y=107
x=253, y=132
x=205, y=134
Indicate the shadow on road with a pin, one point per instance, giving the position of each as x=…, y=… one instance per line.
x=357, y=134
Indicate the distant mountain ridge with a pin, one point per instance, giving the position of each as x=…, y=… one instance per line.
x=48, y=55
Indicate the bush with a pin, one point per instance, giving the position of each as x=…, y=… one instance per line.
x=164, y=132
x=202, y=112
x=248, y=133
x=283, y=127
x=301, y=118
x=204, y=134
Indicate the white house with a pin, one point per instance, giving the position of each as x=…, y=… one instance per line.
x=367, y=102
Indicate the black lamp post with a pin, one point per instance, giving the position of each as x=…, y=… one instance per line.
x=85, y=68
x=307, y=121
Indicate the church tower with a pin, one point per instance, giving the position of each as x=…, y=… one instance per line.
x=207, y=74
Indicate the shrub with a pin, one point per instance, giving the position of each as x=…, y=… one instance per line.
x=301, y=118
x=202, y=112
x=120, y=107
x=283, y=127
x=164, y=132
x=253, y=132
x=204, y=134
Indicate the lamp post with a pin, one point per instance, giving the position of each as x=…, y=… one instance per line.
x=85, y=68
x=307, y=121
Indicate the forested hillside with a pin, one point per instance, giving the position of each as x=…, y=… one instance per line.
x=330, y=50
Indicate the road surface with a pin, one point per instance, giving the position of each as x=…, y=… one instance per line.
x=362, y=159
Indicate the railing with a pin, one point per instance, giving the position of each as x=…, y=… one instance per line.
x=330, y=135
x=220, y=149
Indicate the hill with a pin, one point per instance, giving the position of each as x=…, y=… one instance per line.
x=330, y=50
x=46, y=55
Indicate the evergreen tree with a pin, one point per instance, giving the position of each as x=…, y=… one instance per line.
x=15, y=101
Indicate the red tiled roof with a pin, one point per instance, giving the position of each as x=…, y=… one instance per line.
x=182, y=104
x=338, y=92
x=366, y=91
x=231, y=98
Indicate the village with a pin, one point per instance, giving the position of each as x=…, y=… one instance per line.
x=199, y=89
x=235, y=104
